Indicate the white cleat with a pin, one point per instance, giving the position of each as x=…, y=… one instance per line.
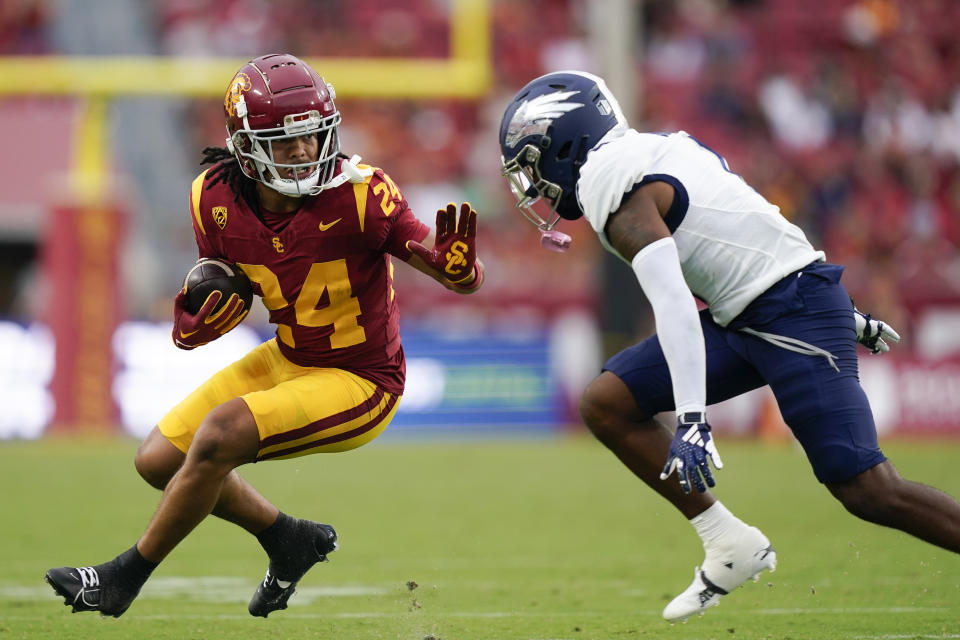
x=724, y=569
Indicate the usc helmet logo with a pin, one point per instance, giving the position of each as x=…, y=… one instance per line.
x=239, y=84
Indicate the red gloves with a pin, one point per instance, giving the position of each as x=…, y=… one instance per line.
x=191, y=331
x=454, y=253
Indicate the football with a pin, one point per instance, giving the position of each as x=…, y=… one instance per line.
x=213, y=274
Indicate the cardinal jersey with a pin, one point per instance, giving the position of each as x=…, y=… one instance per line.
x=733, y=244
x=326, y=275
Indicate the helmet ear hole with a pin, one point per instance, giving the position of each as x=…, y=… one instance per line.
x=582, y=151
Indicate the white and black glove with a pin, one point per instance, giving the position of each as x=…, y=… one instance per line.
x=873, y=334
x=689, y=451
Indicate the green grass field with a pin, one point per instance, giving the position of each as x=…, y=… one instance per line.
x=548, y=539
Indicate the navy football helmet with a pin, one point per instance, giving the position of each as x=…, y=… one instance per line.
x=546, y=132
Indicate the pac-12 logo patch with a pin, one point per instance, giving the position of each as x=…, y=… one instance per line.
x=220, y=216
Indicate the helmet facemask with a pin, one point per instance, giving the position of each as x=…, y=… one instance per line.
x=537, y=198
x=254, y=149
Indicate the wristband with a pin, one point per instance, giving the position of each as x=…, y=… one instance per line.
x=473, y=286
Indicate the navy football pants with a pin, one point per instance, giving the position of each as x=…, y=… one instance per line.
x=826, y=409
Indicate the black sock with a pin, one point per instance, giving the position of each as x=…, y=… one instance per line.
x=278, y=536
x=133, y=568
x=290, y=544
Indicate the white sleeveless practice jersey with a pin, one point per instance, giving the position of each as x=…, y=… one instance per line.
x=733, y=244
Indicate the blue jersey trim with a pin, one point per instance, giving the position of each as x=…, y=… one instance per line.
x=680, y=204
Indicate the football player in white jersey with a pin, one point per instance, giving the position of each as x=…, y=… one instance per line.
x=777, y=315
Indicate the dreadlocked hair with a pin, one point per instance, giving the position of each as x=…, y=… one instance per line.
x=227, y=169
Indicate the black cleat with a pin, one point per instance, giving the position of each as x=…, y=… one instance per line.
x=91, y=589
x=273, y=592
x=271, y=595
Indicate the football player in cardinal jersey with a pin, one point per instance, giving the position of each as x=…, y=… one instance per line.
x=314, y=230
x=671, y=209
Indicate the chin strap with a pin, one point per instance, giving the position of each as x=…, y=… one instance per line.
x=349, y=172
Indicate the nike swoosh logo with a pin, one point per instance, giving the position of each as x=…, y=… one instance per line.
x=187, y=335
x=324, y=227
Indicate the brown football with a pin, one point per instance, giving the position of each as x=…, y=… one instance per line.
x=214, y=274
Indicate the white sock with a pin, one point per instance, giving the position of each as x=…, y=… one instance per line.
x=715, y=523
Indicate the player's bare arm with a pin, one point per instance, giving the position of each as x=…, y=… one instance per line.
x=639, y=220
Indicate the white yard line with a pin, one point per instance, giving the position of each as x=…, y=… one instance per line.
x=233, y=589
x=205, y=589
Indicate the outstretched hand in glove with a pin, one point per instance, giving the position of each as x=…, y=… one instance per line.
x=454, y=253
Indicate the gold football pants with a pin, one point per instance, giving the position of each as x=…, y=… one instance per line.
x=298, y=410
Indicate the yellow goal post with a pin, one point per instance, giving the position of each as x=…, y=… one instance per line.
x=464, y=74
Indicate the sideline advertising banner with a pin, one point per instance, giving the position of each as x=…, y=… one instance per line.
x=457, y=385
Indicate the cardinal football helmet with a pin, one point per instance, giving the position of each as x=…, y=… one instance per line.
x=275, y=98
x=546, y=132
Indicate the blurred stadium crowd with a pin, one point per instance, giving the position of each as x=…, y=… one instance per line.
x=846, y=114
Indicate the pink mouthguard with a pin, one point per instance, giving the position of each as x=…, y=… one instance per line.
x=555, y=241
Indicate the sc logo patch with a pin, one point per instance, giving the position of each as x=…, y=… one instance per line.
x=455, y=258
